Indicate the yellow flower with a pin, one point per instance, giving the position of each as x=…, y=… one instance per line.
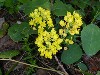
x=71, y=42
x=41, y=17
x=72, y=31
x=60, y=31
x=76, y=15
x=31, y=15
x=62, y=23
x=34, y=28
x=31, y=22
x=68, y=14
x=48, y=43
x=72, y=23
x=64, y=34
x=70, y=19
x=65, y=18
x=66, y=40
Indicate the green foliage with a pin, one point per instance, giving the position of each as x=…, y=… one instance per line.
x=19, y=32
x=9, y=54
x=60, y=9
x=11, y=5
x=98, y=73
x=90, y=34
x=90, y=37
x=71, y=55
x=31, y=5
x=82, y=66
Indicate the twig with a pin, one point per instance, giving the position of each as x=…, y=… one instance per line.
x=59, y=72
x=7, y=73
x=61, y=66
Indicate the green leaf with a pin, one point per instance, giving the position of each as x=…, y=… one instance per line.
x=82, y=66
x=98, y=73
x=9, y=54
x=15, y=33
x=71, y=55
x=90, y=37
x=18, y=32
x=60, y=9
x=31, y=5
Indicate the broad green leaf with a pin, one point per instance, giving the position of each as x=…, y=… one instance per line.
x=98, y=73
x=18, y=32
x=31, y=5
x=90, y=37
x=82, y=66
x=71, y=55
x=9, y=54
x=60, y=9
x=15, y=33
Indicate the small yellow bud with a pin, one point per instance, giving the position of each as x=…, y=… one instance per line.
x=62, y=23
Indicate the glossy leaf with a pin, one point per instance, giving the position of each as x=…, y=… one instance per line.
x=60, y=9
x=90, y=37
x=31, y=5
x=18, y=32
x=82, y=66
x=71, y=55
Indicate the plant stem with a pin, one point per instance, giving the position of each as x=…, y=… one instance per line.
x=59, y=72
x=61, y=66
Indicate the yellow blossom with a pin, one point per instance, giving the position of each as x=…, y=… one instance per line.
x=62, y=23
x=41, y=17
x=71, y=42
x=48, y=43
x=60, y=31
x=72, y=23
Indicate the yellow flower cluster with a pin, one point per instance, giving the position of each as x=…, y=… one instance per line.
x=71, y=24
x=40, y=19
x=48, y=43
